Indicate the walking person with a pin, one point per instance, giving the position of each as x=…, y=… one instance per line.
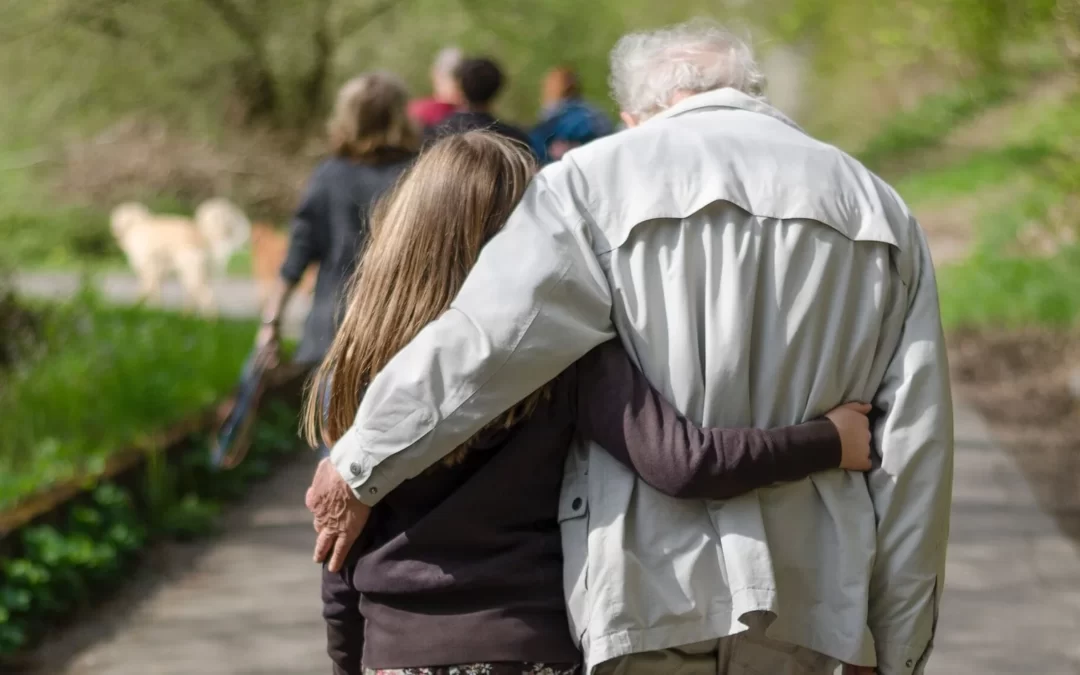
x=480, y=81
x=460, y=570
x=371, y=142
x=446, y=97
x=759, y=277
x=567, y=120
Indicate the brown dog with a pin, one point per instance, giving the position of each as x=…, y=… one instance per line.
x=268, y=248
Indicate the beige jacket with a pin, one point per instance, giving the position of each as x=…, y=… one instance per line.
x=760, y=277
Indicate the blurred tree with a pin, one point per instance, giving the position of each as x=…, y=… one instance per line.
x=1067, y=14
x=277, y=55
x=209, y=66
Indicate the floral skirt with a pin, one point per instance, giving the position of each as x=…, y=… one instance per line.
x=484, y=669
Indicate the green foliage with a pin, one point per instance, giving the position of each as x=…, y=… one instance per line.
x=60, y=237
x=93, y=546
x=1001, y=283
x=971, y=34
x=994, y=290
x=105, y=379
x=931, y=121
x=979, y=170
x=61, y=567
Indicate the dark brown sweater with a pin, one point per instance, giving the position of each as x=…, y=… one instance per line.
x=463, y=564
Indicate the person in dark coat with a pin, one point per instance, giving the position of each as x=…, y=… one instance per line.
x=480, y=81
x=372, y=141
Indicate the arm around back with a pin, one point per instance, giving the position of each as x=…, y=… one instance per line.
x=621, y=411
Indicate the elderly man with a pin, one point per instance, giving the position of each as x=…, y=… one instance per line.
x=759, y=277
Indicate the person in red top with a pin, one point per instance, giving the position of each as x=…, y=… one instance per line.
x=446, y=94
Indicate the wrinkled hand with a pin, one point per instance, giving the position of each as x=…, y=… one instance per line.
x=339, y=516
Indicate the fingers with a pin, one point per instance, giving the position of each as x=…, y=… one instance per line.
x=324, y=544
x=341, y=550
x=859, y=407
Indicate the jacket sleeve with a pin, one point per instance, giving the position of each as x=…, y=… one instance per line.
x=305, y=236
x=621, y=411
x=912, y=489
x=344, y=623
x=535, y=302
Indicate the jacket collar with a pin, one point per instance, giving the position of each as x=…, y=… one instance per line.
x=725, y=98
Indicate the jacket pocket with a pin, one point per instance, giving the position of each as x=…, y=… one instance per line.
x=574, y=526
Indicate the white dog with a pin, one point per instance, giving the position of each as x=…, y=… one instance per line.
x=157, y=245
x=225, y=228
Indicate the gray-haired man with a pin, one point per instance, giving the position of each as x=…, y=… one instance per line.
x=759, y=277
x=446, y=94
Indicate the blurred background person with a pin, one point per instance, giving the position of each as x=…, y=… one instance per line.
x=480, y=80
x=372, y=141
x=446, y=95
x=566, y=120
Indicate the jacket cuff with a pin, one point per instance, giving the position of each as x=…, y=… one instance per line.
x=357, y=469
x=902, y=659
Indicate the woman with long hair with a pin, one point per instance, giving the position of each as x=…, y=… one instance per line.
x=459, y=570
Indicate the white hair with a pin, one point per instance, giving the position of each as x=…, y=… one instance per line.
x=649, y=68
x=447, y=60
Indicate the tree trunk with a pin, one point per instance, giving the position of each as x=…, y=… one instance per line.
x=313, y=87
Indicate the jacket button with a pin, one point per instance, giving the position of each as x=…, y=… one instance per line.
x=576, y=504
x=909, y=663
x=373, y=490
x=356, y=468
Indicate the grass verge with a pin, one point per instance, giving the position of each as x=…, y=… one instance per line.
x=101, y=379
x=1010, y=292
x=928, y=123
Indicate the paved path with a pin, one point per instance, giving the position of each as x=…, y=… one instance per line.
x=246, y=602
x=1012, y=598
x=249, y=603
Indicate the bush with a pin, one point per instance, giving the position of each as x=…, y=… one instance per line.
x=19, y=330
x=92, y=545
x=62, y=237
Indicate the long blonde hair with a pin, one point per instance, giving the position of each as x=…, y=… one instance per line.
x=370, y=116
x=426, y=236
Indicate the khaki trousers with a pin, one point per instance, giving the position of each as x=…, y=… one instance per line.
x=748, y=653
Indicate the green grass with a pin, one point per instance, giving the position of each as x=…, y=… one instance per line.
x=982, y=169
x=997, y=285
x=1011, y=291
x=105, y=378
x=927, y=124
x=57, y=237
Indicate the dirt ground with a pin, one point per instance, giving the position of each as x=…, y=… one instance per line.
x=1020, y=381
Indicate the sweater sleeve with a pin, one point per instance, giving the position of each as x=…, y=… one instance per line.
x=618, y=409
x=307, y=231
